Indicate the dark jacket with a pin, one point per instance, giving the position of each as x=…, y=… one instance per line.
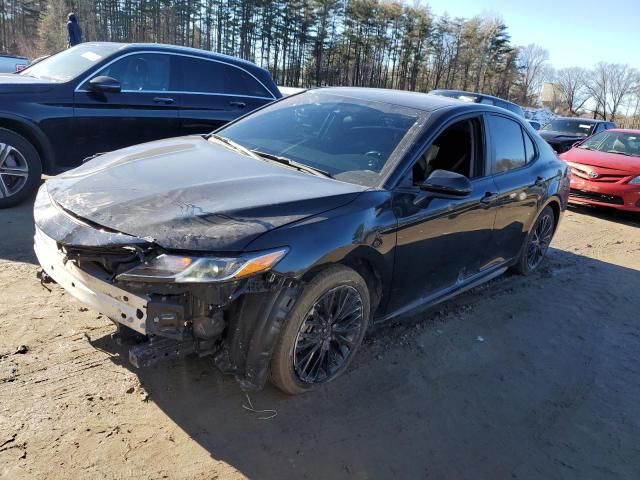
x=73, y=28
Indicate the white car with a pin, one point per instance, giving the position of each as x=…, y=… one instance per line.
x=12, y=63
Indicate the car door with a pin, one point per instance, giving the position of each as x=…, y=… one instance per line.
x=143, y=110
x=211, y=93
x=442, y=243
x=520, y=182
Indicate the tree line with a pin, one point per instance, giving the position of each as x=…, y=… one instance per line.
x=373, y=43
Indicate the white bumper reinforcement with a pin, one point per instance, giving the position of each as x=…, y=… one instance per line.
x=117, y=304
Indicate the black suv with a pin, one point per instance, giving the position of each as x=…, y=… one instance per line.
x=98, y=97
x=562, y=133
x=480, y=98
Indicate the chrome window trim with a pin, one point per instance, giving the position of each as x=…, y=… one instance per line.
x=85, y=79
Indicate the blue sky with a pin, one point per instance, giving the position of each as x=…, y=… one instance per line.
x=576, y=32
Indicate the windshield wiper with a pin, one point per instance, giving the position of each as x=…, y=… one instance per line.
x=622, y=153
x=234, y=145
x=292, y=163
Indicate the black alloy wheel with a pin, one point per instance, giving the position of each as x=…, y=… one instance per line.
x=323, y=331
x=328, y=334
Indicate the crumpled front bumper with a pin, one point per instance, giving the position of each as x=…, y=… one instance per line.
x=119, y=305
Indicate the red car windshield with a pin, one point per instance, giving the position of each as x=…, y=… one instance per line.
x=622, y=143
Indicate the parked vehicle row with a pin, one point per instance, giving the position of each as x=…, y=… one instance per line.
x=98, y=97
x=274, y=243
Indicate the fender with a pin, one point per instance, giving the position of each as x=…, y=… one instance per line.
x=31, y=132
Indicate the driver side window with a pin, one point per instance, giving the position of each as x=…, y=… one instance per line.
x=142, y=72
x=457, y=149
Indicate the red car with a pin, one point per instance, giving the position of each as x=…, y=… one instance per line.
x=605, y=170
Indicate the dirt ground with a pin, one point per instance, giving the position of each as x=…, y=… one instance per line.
x=535, y=377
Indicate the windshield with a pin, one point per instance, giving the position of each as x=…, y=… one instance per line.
x=70, y=63
x=570, y=127
x=614, y=142
x=351, y=139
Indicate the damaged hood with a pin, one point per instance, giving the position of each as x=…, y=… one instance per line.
x=188, y=193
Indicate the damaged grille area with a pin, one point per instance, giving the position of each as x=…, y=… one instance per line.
x=113, y=259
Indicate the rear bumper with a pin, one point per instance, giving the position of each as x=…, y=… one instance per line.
x=613, y=195
x=119, y=305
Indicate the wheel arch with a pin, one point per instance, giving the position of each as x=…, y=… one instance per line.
x=369, y=264
x=34, y=135
x=555, y=204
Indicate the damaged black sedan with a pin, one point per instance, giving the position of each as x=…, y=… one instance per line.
x=276, y=242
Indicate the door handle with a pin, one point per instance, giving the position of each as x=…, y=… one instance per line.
x=489, y=199
x=165, y=100
x=238, y=104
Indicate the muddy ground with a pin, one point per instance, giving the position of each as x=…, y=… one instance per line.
x=522, y=378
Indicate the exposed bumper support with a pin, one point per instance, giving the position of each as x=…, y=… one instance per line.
x=119, y=305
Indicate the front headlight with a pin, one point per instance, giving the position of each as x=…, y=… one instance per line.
x=635, y=180
x=186, y=269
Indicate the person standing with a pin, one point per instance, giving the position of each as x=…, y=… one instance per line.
x=74, y=30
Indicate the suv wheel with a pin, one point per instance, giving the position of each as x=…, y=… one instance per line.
x=20, y=168
x=323, y=331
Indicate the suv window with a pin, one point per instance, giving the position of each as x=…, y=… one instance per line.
x=209, y=76
x=509, y=144
x=140, y=72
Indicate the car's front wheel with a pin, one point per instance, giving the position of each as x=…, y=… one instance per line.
x=20, y=168
x=537, y=242
x=324, y=329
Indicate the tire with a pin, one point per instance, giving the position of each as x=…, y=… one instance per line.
x=538, y=238
x=20, y=168
x=335, y=341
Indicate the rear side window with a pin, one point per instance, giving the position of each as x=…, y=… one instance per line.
x=529, y=148
x=196, y=75
x=509, y=144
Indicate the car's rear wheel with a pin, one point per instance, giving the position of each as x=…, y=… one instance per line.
x=20, y=168
x=537, y=242
x=323, y=331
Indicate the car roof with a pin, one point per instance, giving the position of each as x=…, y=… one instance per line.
x=624, y=130
x=404, y=98
x=583, y=120
x=189, y=51
x=463, y=92
x=8, y=55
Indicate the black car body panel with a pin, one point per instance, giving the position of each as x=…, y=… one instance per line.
x=413, y=248
x=67, y=123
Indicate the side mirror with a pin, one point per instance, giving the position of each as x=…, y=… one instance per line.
x=104, y=84
x=445, y=184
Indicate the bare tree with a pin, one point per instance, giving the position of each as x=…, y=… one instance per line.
x=572, y=85
x=609, y=85
x=623, y=80
x=533, y=64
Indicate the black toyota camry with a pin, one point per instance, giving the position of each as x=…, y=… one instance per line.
x=276, y=242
